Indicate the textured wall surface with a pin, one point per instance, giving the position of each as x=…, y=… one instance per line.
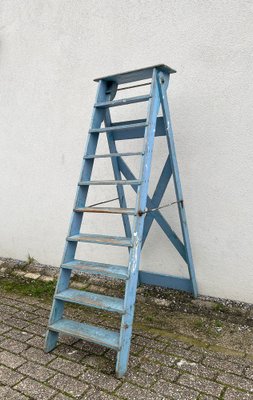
x=50, y=52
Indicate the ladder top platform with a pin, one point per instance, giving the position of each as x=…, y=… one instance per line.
x=136, y=75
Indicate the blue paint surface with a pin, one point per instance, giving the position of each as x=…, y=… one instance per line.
x=136, y=234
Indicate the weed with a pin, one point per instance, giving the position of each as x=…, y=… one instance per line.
x=219, y=307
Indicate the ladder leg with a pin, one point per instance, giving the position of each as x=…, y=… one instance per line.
x=76, y=221
x=134, y=258
x=57, y=310
x=162, y=86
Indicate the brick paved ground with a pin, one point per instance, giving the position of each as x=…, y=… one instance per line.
x=163, y=365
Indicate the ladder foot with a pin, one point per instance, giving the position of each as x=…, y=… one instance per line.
x=51, y=341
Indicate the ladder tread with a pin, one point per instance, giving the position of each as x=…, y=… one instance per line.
x=122, y=102
x=90, y=299
x=119, y=127
x=101, y=239
x=94, y=268
x=91, y=333
x=108, y=155
x=111, y=182
x=106, y=210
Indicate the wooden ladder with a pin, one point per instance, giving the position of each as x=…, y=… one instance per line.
x=136, y=234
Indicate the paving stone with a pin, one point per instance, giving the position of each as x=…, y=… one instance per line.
x=173, y=391
x=100, y=380
x=100, y=363
x=69, y=340
x=26, y=315
x=140, y=378
x=37, y=341
x=89, y=347
x=38, y=355
x=4, y=328
x=147, y=342
x=61, y=396
x=31, y=275
x=196, y=369
x=16, y=323
x=9, y=377
x=162, y=358
x=223, y=365
x=98, y=395
x=232, y=394
x=11, y=360
x=178, y=344
x=69, y=385
x=42, y=321
x=13, y=345
x=10, y=394
x=151, y=368
x=16, y=334
x=7, y=310
x=193, y=355
x=36, y=371
x=249, y=372
x=206, y=397
x=203, y=385
x=35, y=389
x=236, y=381
x=36, y=329
x=69, y=352
x=41, y=312
x=67, y=367
x=46, y=278
x=129, y=391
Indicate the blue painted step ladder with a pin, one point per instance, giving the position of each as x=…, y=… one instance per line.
x=136, y=234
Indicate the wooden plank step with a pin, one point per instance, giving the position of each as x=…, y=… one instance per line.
x=89, y=299
x=95, y=268
x=122, y=102
x=106, y=210
x=91, y=333
x=119, y=127
x=101, y=239
x=111, y=182
x=110, y=155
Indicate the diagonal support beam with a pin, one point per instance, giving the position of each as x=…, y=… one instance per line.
x=157, y=215
x=117, y=174
x=157, y=197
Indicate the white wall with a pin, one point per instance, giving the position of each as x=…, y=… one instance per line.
x=50, y=52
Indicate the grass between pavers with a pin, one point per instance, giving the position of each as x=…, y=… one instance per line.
x=191, y=328
x=28, y=287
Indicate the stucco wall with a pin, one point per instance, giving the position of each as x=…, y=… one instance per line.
x=50, y=52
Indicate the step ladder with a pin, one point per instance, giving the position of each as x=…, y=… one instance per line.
x=136, y=234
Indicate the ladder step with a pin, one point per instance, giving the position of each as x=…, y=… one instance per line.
x=87, y=332
x=89, y=156
x=89, y=299
x=95, y=268
x=112, y=182
x=106, y=210
x=119, y=127
x=122, y=102
x=101, y=239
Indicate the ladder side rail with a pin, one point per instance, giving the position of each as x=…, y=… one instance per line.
x=164, y=225
x=162, y=82
x=75, y=223
x=134, y=257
